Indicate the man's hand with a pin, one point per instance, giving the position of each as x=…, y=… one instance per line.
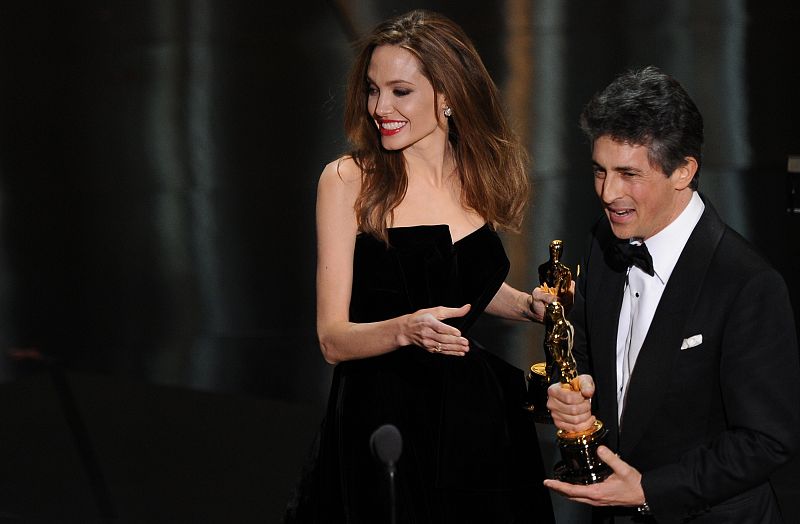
x=572, y=410
x=622, y=488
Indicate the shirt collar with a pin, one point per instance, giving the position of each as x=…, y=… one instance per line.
x=666, y=246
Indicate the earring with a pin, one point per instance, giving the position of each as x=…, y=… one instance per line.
x=447, y=111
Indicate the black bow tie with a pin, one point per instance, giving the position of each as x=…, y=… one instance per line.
x=635, y=255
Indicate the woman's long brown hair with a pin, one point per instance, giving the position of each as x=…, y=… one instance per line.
x=489, y=158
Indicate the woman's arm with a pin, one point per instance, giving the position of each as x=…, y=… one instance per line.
x=339, y=338
x=512, y=304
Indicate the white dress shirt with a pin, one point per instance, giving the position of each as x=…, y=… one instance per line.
x=643, y=292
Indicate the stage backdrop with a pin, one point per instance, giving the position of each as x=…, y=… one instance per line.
x=158, y=169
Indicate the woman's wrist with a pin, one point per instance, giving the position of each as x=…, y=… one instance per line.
x=400, y=339
x=527, y=309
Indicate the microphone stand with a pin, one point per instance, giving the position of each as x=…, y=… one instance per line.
x=392, y=469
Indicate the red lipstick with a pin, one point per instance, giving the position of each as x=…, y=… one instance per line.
x=390, y=127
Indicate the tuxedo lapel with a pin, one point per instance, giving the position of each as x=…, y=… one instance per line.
x=607, y=295
x=613, y=287
x=654, y=369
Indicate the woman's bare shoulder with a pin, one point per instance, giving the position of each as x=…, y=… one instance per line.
x=340, y=182
x=343, y=170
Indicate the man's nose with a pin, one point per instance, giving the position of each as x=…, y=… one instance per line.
x=610, y=188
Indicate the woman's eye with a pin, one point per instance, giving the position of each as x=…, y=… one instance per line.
x=401, y=92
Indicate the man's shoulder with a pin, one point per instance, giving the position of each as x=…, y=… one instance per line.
x=736, y=254
x=736, y=263
x=732, y=251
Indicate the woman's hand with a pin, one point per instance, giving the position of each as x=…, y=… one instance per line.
x=537, y=303
x=540, y=297
x=424, y=328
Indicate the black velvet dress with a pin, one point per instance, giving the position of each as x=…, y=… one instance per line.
x=470, y=452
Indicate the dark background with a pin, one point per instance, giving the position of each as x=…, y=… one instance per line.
x=158, y=169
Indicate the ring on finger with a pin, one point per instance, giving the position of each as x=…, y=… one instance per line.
x=438, y=348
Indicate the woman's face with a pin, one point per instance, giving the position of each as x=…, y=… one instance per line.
x=402, y=101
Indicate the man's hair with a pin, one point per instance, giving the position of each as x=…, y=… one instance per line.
x=649, y=108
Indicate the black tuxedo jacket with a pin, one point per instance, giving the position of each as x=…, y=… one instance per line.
x=705, y=425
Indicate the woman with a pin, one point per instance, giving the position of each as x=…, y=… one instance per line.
x=408, y=259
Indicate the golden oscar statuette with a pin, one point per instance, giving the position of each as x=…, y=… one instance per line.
x=579, y=464
x=555, y=278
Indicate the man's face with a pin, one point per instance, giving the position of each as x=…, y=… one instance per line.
x=638, y=198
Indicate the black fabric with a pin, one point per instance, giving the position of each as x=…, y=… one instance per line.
x=628, y=254
x=706, y=426
x=754, y=506
x=470, y=452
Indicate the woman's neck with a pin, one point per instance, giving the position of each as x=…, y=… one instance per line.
x=432, y=166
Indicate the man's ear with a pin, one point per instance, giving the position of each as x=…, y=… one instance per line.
x=683, y=175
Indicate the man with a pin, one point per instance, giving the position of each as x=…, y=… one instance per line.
x=692, y=362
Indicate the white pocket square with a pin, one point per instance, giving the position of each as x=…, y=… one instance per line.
x=691, y=342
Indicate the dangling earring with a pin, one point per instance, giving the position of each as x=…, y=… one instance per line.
x=448, y=112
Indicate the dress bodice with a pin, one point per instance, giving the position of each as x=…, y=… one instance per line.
x=422, y=267
x=468, y=447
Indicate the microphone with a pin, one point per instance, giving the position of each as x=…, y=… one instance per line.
x=386, y=444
